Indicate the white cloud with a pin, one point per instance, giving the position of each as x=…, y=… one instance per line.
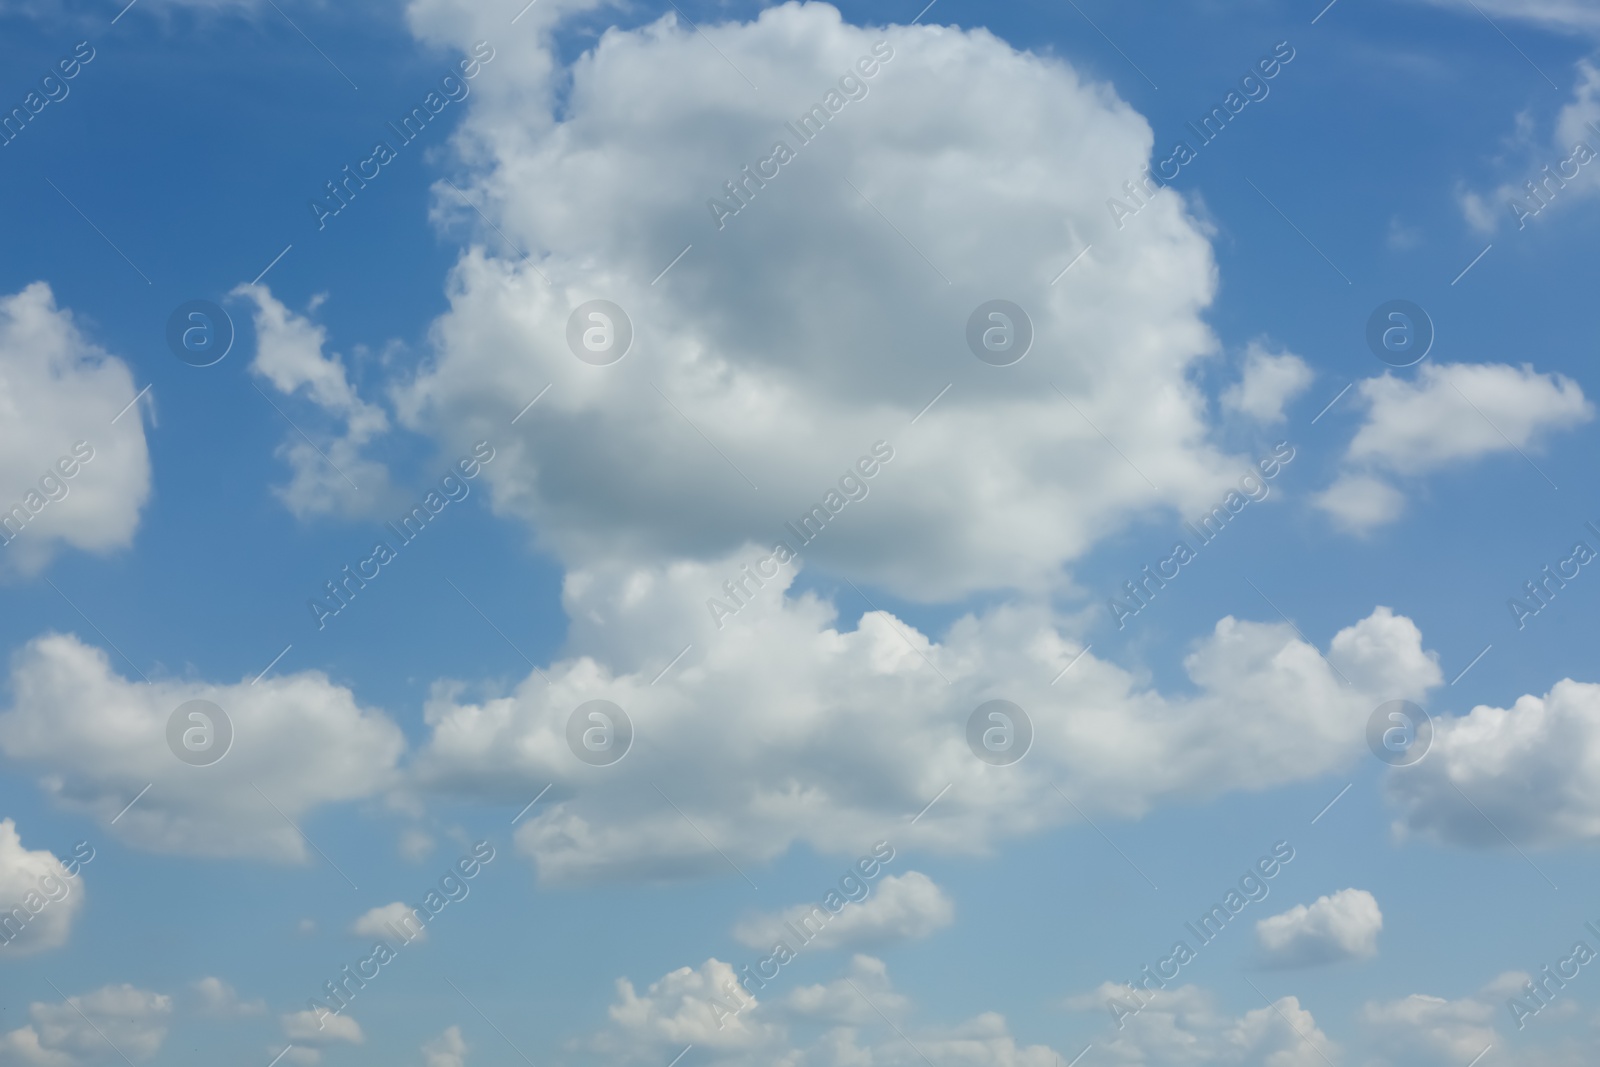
x=900, y=908
x=1183, y=1027
x=1531, y=771
x=678, y=1010
x=1361, y=502
x=793, y=390
x=303, y=1027
x=38, y=902
x=841, y=1003
x=98, y=739
x=1342, y=926
x=337, y=479
x=58, y=389
x=1573, y=16
x=376, y=923
x=829, y=698
x=449, y=1049
x=1431, y=1031
x=221, y=1000
x=1268, y=382
x=415, y=845
x=1448, y=415
x=74, y=1032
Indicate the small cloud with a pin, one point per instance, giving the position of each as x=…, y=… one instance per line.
x=415, y=845
x=1270, y=380
x=1342, y=926
x=446, y=1050
x=902, y=908
x=1361, y=502
x=219, y=1000
x=390, y=921
x=304, y=1028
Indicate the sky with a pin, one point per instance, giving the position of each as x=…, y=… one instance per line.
x=715, y=534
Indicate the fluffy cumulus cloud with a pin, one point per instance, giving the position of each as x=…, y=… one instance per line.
x=449, y=1049
x=377, y=922
x=1447, y=415
x=1268, y=381
x=305, y=1028
x=857, y=1019
x=219, y=999
x=806, y=327
x=1184, y=1027
x=1530, y=772
x=1340, y=926
x=98, y=739
x=901, y=907
x=333, y=477
x=38, y=900
x=74, y=1032
x=69, y=475
x=831, y=698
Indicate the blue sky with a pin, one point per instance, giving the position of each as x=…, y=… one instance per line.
x=590, y=524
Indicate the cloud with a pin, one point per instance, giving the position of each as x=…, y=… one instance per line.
x=220, y=1000
x=1342, y=926
x=1571, y=16
x=58, y=389
x=449, y=1049
x=830, y=698
x=1420, y=1029
x=98, y=739
x=34, y=884
x=376, y=923
x=677, y=1010
x=1448, y=415
x=807, y=328
x=74, y=1032
x=337, y=478
x=901, y=908
x=303, y=1027
x=1531, y=772
x=843, y=1002
x=1182, y=1026
x=1269, y=381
